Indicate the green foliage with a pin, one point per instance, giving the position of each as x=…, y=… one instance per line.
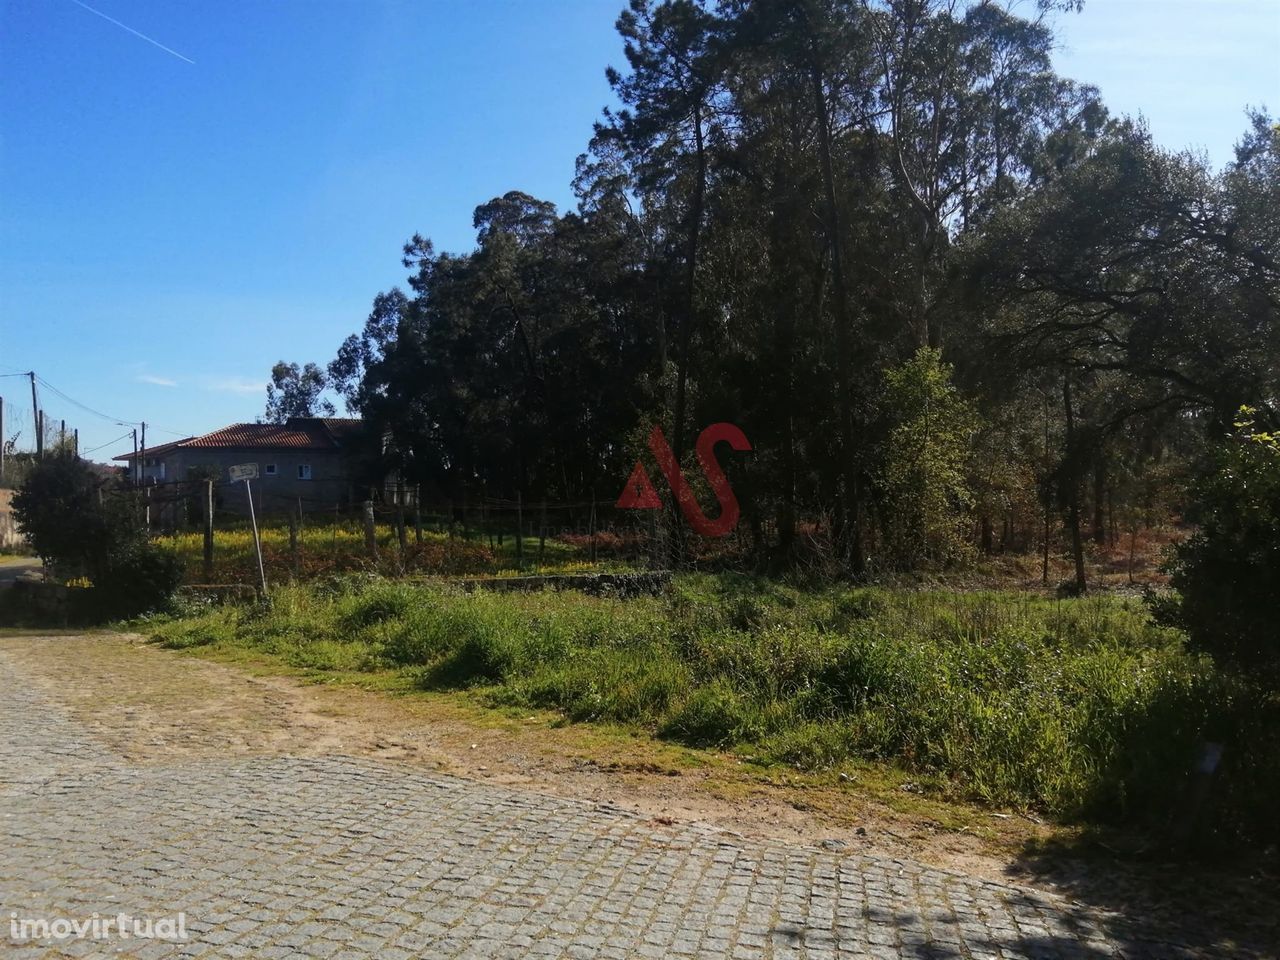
x=1227, y=574
x=1083, y=708
x=138, y=578
x=789, y=199
x=743, y=249
x=66, y=515
x=714, y=715
x=924, y=480
x=86, y=526
x=297, y=392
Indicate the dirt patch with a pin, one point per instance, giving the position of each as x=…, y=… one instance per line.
x=151, y=705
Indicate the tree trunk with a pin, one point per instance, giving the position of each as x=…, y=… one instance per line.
x=691, y=283
x=1099, y=500
x=1072, y=481
x=852, y=526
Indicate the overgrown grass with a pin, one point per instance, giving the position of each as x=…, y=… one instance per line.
x=1080, y=708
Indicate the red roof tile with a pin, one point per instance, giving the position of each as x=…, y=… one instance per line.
x=299, y=433
x=156, y=451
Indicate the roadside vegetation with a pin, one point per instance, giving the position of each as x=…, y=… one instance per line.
x=85, y=527
x=1083, y=709
x=959, y=309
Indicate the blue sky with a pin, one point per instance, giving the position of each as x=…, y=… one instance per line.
x=170, y=229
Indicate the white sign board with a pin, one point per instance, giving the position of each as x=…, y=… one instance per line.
x=244, y=471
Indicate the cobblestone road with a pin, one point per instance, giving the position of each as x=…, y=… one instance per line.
x=342, y=857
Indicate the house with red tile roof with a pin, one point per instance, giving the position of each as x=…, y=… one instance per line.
x=312, y=459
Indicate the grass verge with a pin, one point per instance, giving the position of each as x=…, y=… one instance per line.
x=1080, y=709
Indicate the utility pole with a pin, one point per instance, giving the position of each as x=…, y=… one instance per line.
x=137, y=467
x=142, y=470
x=1, y=438
x=75, y=443
x=35, y=413
x=62, y=436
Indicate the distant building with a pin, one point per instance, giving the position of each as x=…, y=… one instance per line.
x=312, y=459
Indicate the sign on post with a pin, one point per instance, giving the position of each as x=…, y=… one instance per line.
x=247, y=472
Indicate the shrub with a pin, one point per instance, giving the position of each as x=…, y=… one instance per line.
x=381, y=603
x=1227, y=575
x=619, y=686
x=923, y=481
x=73, y=517
x=139, y=579
x=85, y=525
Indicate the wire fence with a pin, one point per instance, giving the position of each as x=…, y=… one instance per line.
x=330, y=529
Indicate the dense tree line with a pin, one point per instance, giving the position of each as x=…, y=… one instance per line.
x=954, y=303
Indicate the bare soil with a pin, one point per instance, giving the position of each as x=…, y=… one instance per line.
x=151, y=705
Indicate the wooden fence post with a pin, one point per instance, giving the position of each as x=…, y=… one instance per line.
x=417, y=514
x=402, y=539
x=207, y=503
x=293, y=542
x=591, y=526
x=401, y=533
x=542, y=532
x=370, y=531
x=519, y=528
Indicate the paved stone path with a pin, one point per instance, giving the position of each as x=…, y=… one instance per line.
x=341, y=857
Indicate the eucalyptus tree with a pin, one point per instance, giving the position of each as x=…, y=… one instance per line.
x=972, y=115
x=297, y=391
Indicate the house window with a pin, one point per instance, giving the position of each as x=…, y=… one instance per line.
x=269, y=470
x=304, y=471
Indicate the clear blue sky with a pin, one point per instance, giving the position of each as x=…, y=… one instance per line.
x=170, y=229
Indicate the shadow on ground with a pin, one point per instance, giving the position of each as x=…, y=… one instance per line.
x=1120, y=907
x=1216, y=910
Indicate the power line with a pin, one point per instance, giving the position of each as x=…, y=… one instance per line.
x=97, y=413
x=118, y=421
x=123, y=436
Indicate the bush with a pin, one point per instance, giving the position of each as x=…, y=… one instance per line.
x=139, y=579
x=715, y=715
x=85, y=525
x=925, y=497
x=73, y=518
x=1227, y=575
